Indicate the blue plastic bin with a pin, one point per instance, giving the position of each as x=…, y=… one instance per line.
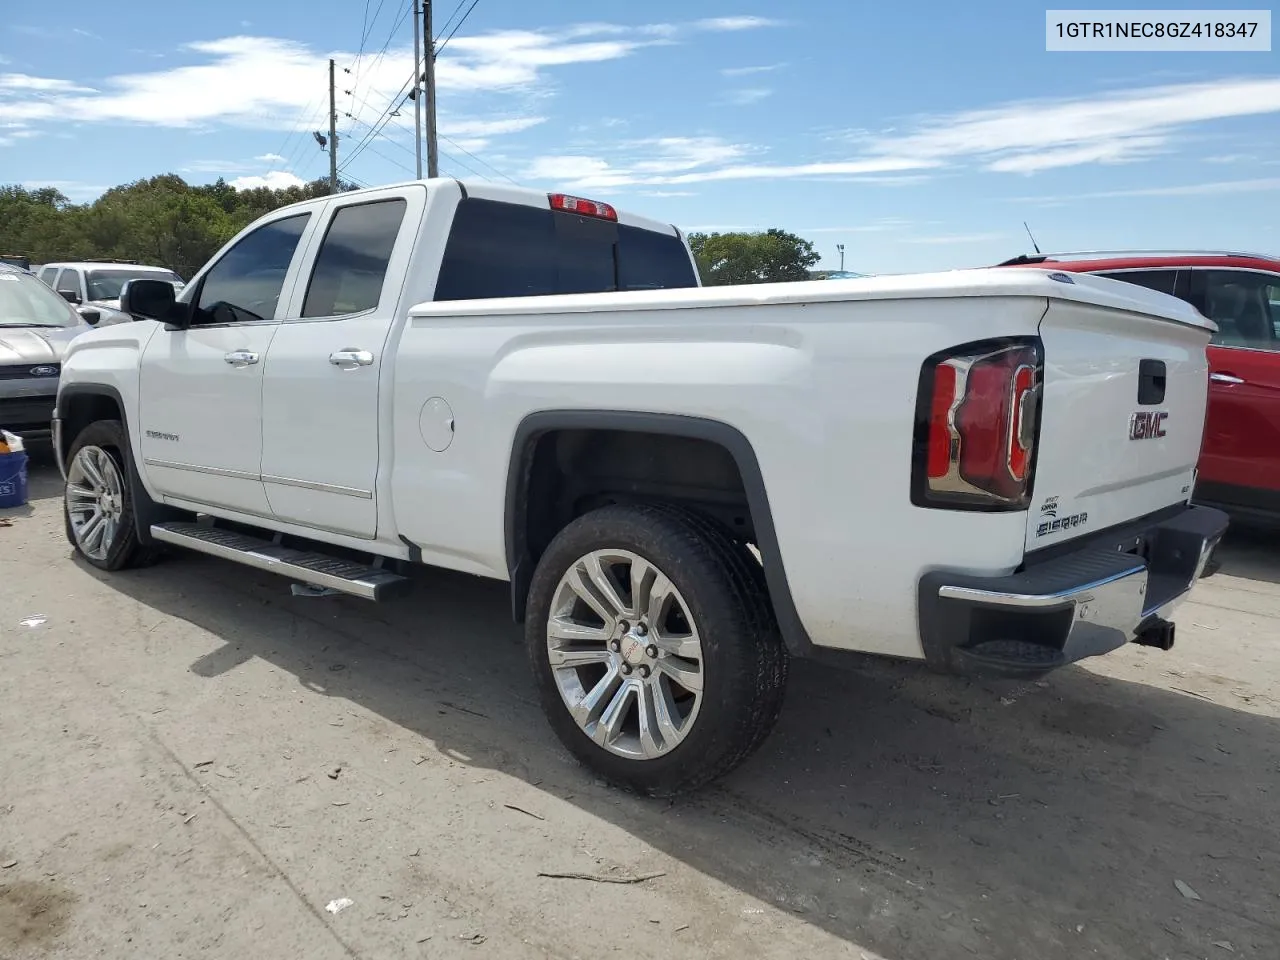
x=13, y=479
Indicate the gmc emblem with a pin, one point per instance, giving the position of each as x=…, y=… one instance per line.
x=1147, y=425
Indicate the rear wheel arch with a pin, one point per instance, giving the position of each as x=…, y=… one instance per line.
x=527, y=496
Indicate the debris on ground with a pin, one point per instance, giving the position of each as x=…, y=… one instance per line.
x=596, y=878
x=476, y=938
x=31, y=622
x=337, y=906
x=9, y=864
x=334, y=773
x=1225, y=945
x=204, y=763
x=1186, y=891
x=527, y=813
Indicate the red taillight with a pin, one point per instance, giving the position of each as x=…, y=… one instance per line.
x=944, y=397
x=585, y=208
x=981, y=429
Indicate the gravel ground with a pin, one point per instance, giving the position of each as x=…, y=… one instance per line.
x=195, y=763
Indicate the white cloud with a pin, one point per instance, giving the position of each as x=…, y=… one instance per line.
x=1040, y=134
x=214, y=166
x=746, y=97
x=270, y=158
x=736, y=23
x=749, y=71
x=24, y=83
x=275, y=180
x=269, y=83
x=1259, y=185
x=677, y=162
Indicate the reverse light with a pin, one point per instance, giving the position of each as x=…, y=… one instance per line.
x=977, y=427
x=584, y=208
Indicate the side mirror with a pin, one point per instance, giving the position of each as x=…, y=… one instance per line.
x=91, y=316
x=154, y=300
x=70, y=296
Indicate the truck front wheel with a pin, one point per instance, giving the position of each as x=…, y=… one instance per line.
x=98, y=502
x=657, y=655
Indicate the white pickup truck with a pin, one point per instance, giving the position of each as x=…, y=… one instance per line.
x=986, y=470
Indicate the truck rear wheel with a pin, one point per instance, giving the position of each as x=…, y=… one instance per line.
x=656, y=652
x=99, y=500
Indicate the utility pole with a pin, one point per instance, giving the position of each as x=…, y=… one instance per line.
x=333, y=135
x=429, y=55
x=417, y=92
x=840, y=247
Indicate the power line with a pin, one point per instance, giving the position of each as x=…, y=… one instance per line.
x=457, y=27
x=479, y=160
x=461, y=4
x=393, y=106
x=385, y=46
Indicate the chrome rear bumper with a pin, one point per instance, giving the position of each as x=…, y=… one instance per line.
x=1111, y=590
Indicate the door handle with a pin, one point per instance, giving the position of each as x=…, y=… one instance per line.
x=359, y=358
x=1224, y=378
x=241, y=357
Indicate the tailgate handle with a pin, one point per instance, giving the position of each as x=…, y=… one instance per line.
x=1151, y=381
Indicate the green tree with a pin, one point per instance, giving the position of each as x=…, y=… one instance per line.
x=774, y=256
x=162, y=220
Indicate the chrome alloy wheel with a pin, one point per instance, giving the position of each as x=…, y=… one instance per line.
x=625, y=654
x=95, y=501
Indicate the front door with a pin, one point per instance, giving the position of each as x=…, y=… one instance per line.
x=201, y=388
x=320, y=392
x=1240, y=461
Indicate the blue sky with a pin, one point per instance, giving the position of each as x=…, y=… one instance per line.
x=918, y=135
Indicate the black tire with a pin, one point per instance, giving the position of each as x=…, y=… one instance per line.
x=744, y=659
x=126, y=551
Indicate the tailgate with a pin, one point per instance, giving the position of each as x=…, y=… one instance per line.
x=1125, y=387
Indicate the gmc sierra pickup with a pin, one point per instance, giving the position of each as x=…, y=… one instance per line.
x=986, y=470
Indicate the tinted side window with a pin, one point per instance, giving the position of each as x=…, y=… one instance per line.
x=69, y=282
x=1161, y=280
x=352, y=263
x=245, y=284
x=653, y=261
x=498, y=250
x=510, y=250
x=47, y=275
x=1239, y=302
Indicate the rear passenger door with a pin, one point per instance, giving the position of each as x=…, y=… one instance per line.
x=321, y=427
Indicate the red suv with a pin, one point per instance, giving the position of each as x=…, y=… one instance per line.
x=1239, y=468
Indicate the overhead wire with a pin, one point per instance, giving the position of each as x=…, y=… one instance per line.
x=456, y=27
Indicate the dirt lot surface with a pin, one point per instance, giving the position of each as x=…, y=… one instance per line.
x=195, y=763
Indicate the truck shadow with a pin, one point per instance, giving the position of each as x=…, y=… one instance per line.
x=919, y=816
x=1252, y=552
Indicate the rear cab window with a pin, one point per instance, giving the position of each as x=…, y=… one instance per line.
x=497, y=250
